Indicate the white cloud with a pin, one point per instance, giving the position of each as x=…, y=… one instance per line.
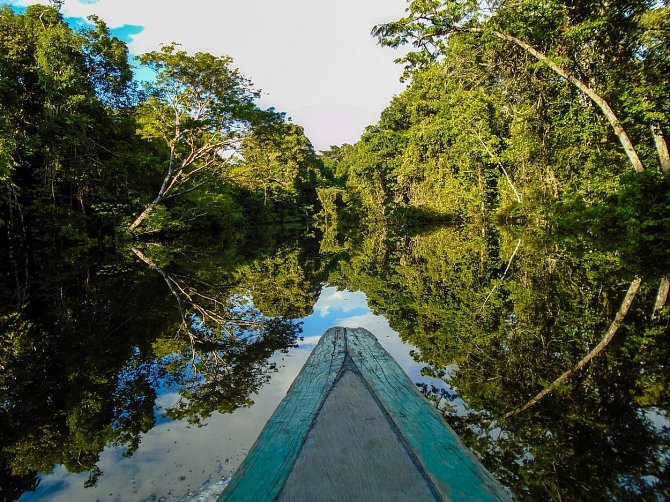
x=314, y=58
x=167, y=400
x=344, y=301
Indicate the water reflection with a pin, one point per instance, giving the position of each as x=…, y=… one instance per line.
x=94, y=344
x=509, y=313
x=160, y=364
x=176, y=459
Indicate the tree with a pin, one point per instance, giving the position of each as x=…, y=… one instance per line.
x=199, y=109
x=591, y=46
x=68, y=146
x=280, y=160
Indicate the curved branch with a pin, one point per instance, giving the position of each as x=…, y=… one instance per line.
x=605, y=108
x=614, y=327
x=507, y=176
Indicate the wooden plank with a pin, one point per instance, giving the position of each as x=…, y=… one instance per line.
x=454, y=470
x=264, y=471
x=353, y=454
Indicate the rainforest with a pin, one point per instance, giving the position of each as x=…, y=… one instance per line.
x=171, y=249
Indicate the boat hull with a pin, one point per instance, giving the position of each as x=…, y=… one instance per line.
x=354, y=427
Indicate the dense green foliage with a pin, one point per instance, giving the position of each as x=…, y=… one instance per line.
x=282, y=168
x=69, y=151
x=487, y=125
x=84, y=151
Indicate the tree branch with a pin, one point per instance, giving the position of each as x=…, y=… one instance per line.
x=189, y=190
x=609, y=334
x=502, y=277
x=661, y=296
x=507, y=177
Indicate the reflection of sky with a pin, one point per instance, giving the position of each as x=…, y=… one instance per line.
x=330, y=308
x=175, y=459
x=340, y=302
x=350, y=310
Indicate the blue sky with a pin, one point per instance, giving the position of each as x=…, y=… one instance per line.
x=313, y=59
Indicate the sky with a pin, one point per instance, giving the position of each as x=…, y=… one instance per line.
x=313, y=59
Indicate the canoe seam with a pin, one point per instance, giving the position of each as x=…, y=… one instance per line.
x=350, y=365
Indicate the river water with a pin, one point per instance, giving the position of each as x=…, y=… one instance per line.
x=178, y=461
x=147, y=373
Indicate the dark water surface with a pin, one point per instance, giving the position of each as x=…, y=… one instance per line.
x=146, y=373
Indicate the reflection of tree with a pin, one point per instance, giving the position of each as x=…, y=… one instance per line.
x=64, y=355
x=219, y=354
x=287, y=283
x=97, y=338
x=200, y=302
x=609, y=335
x=551, y=303
x=219, y=372
x=13, y=485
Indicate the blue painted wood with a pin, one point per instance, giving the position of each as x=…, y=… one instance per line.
x=447, y=465
x=265, y=469
x=454, y=470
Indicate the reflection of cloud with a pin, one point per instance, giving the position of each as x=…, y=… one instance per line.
x=657, y=418
x=374, y=323
x=309, y=341
x=176, y=458
x=344, y=301
x=167, y=400
x=51, y=487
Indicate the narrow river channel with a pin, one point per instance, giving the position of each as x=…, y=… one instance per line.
x=132, y=392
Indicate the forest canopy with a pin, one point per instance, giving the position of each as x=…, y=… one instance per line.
x=86, y=151
x=514, y=106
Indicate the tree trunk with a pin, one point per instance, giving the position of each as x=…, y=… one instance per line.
x=142, y=216
x=662, y=295
x=661, y=147
x=595, y=97
x=614, y=327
